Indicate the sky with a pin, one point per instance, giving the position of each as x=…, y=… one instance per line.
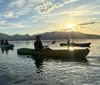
x=39, y=16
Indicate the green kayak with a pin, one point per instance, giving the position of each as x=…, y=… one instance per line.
x=56, y=54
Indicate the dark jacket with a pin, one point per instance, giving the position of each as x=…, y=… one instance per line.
x=38, y=45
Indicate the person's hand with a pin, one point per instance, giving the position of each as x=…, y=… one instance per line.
x=45, y=46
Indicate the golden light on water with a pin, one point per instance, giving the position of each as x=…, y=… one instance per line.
x=71, y=48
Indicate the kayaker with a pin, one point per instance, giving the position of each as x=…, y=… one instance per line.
x=2, y=42
x=38, y=44
x=6, y=42
x=68, y=41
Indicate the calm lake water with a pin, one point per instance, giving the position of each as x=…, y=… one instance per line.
x=21, y=70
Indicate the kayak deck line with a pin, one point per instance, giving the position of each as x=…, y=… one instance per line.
x=76, y=44
x=7, y=46
x=56, y=54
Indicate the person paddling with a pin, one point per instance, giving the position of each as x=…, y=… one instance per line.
x=2, y=42
x=6, y=42
x=38, y=44
x=39, y=48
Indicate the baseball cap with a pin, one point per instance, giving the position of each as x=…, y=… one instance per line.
x=38, y=36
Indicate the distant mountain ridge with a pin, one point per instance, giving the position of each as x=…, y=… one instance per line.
x=50, y=36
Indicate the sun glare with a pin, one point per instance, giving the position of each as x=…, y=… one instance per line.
x=70, y=26
x=71, y=48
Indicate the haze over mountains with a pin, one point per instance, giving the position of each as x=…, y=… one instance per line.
x=50, y=36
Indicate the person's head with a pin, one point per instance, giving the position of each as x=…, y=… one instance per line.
x=6, y=40
x=38, y=37
x=2, y=40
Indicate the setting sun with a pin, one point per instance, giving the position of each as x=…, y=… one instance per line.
x=69, y=26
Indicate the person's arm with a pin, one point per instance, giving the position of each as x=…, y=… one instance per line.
x=41, y=45
x=8, y=43
x=35, y=46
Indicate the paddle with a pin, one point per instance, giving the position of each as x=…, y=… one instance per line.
x=53, y=42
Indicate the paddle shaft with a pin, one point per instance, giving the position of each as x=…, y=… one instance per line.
x=50, y=44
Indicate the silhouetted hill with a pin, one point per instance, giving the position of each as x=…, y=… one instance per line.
x=65, y=35
x=3, y=36
x=50, y=35
x=15, y=37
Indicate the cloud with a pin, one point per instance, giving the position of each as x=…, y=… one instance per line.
x=5, y=25
x=85, y=10
x=40, y=6
x=21, y=3
x=44, y=7
x=16, y=25
x=2, y=22
x=17, y=3
x=89, y=27
x=1, y=1
x=70, y=13
x=78, y=11
x=23, y=12
x=34, y=21
x=63, y=2
x=10, y=14
x=23, y=7
x=89, y=23
x=47, y=6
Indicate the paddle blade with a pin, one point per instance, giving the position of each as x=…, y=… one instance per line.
x=53, y=42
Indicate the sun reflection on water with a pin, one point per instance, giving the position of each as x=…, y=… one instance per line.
x=71, y=48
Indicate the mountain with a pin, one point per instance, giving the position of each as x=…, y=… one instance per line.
x=3, y=36
x=65, y=35
x=15, y=37
x=50, y=36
